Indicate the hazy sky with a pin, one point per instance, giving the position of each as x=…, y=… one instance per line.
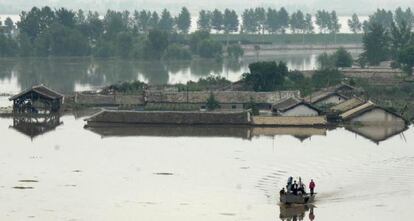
x=344, y=7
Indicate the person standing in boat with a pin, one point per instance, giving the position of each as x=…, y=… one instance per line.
x=312, y=186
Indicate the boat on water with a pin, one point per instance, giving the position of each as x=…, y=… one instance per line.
x=290, y=198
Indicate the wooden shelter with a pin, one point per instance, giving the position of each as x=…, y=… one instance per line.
x=38, y=99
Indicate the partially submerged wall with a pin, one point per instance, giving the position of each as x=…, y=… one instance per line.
x=169, y=117
x=110, y=100
x=288, y=121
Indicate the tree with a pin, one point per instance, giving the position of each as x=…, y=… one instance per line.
x=142, y=20
x=265, y=76
x=354, y=24
x=308, y=24
x=204, y=21
x=156, y=44
x=123, y=44
x=184, y=20
x=66, y=17
x=342, y=58
x=323, y=20
x=406, y=59
x=9, y=26
x=383, y=18
x=230, y=21
x=334, y=25
x=217, y=20
x=326, y=62
x=212, y=103
x=196, y=38
x=376, y=44
x=153, y=22
x=404, y=17
x=283, y=19
x=297, y=22
x=166, y=22
x=272, y=21
x=250, y=23
x=260, y=17
x=401, y=37
x=208, y=48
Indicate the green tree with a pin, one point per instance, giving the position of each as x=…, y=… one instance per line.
x=401, y=37
x=250, y=23
x=212, y=103
x=154, y=21
x=142, y=20
x=166, y=22
x=230, y=21
x=383, y=18
x=204, y=21
x=9, y=26
x=253, y=107
x=177, y=52
x=406, y=59
x=308, y=24
x=272, y=21
x=354, y=24
x=265, y=76
x=342, y=58
x=184, y=20
x=402, y=17
x=124, y=42
x=297, y=22
x=326, y=62
x=260, y=17
x=376, y=44
x=196, y=38
x=283, y=19
x=8, y=47
x=217, y=20
x=156, y=44
x=209, y=48
x=66, y=17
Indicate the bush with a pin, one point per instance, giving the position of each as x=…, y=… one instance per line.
x=209, y=49
x=177, y=52
x=8, y=47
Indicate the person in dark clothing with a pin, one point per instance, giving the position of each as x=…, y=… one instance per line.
x=312, y=186
x=282, y=191
x=295, y=188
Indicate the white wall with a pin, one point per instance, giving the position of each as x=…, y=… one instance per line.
x=300, y=110
x=377, y=116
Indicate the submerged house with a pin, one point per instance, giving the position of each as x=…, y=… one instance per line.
x=227, y=99
x=370, y=114
x=333, y=95
x=294, y=107
x=347, y=105
x=38, y=99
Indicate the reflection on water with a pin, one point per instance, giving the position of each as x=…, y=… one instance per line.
x=89, y=73
x=377, y=134
x=297, y=212
x=33, y=125
x=244, y=132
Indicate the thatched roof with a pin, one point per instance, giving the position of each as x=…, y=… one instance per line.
x=230, y=97
x=347, y=105
x=40, y=89
x=358, y=110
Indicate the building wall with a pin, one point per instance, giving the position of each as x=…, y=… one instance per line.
x=333, y=99
x=377, y=116
x=300, y=110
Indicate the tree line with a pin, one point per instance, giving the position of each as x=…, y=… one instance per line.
x=149, y=35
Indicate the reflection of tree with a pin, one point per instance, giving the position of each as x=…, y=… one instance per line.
x=175, y=67
x=205, y=67
x=7, y=65
x=233, y=65
x=154, y=71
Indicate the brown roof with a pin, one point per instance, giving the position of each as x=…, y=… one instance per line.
x=358, y=110
x=329, y=91
x=220, y=96
x=347, y=105
x=40, y=89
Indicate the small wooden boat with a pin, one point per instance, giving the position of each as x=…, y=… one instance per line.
x=290, y=198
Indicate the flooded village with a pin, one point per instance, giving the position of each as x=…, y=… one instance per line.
x=259, y=113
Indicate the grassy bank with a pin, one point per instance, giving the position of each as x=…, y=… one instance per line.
x=317, y=39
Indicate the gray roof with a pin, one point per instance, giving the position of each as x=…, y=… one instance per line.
x=230, y=97
x=347, y=105
x=40, y=89
x=289, y=103
x=329, y=91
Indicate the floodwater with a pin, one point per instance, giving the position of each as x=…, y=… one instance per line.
x=72, y=173
x=86, y=73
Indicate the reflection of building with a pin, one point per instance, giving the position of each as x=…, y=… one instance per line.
x=296, y=212
x=34, y=125
x=244, y=132
x=37, y=100
x=377, y=133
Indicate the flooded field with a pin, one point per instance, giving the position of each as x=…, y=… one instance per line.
x=71, y=173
